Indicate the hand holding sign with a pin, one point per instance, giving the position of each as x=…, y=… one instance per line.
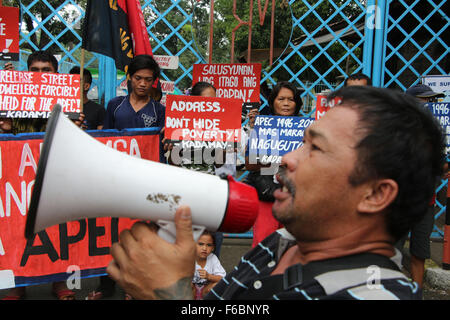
x=274, y=136
x=26, y=94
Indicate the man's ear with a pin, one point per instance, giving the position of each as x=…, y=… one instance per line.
x=378, y=196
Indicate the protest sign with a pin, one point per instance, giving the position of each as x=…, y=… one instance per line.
x=274, y=136
x=203, y=122
x=167, y=62
x=82, y=244
x=240, y=81
x=25, y=94
x=441, y=111
x=167, y=87
x=9, y=33
x=323, y=105
x=440, y=84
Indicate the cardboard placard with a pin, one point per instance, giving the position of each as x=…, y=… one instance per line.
x=25, y=94
x=274, y=136
x=240, y=81
x=9, y=33
x=203, y=121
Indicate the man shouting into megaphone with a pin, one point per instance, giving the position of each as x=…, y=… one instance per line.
x=346, y=197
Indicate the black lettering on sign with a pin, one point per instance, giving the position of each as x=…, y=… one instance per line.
x=46, y=248
x=95, y=232
x=114, y=230
x=65, y=239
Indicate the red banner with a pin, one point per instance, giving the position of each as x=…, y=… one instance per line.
x=81, y=245
x=9, y=33
x=322, y=105
x=25, y=94
x=240, y=81
x=194, y=118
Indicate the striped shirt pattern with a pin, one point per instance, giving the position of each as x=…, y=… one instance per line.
x=354, y=284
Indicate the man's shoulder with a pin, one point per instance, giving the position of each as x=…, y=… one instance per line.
x=367, y=283
x=363, y=276
x=114, y=103
x=396, y=288
x=116, y=100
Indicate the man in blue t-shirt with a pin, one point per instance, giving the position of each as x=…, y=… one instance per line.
x=137, y=109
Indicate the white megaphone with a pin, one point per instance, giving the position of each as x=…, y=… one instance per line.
x=79, y=177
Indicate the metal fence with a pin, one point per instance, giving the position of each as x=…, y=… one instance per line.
x=395, y=42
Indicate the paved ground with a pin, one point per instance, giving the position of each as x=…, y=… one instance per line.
x=232, y=250
x=433, y=291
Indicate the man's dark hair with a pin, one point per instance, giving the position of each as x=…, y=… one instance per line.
x=358, y=76
x=198, y=88
x=144, y=61
x=287, y=85
x=43, y=56
x=401, y=140
x=87, y=75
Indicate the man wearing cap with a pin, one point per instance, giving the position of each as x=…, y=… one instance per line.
x=424, y=93
x=419, y=246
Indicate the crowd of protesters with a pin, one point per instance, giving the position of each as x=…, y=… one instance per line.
x=141, y=108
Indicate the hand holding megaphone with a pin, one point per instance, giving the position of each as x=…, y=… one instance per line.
x=79, y=177
x=147, y=267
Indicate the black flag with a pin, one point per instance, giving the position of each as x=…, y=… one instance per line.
x=106, y=31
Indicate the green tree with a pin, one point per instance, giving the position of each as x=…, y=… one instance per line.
x=172, y=29
x=284, y=32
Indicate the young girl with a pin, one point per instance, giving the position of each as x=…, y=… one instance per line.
x=208, y=270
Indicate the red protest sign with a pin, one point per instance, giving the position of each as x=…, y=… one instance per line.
x=25, y=94
x=323, y=105
x=9, y=33
x=84, y=243
x=240, y=80
x=195, y=118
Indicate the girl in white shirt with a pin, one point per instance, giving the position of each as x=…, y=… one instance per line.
x=208, y=270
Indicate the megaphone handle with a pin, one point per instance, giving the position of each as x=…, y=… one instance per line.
x=167, y=230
